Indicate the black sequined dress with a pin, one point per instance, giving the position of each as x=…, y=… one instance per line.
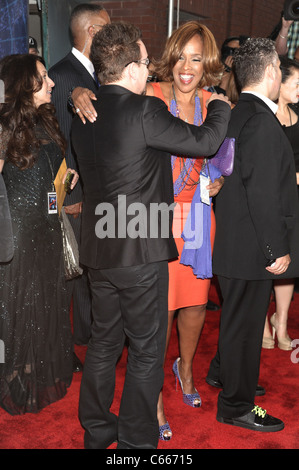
x=34, y=316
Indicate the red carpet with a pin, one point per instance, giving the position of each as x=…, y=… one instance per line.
x=57, y=426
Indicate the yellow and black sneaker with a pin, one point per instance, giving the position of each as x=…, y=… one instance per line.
x=256, y=420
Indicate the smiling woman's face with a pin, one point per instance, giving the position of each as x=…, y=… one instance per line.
x=44, y=94
x=290, y=88
x=188, y=70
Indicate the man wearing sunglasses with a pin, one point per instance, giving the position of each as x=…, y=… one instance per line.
x=125, y=165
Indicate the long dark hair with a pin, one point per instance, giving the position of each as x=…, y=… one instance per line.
x=287, y=67
x=20, y=119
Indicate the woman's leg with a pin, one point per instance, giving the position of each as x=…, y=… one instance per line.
x=160, y=408
x=284, y=290
x=190, y=324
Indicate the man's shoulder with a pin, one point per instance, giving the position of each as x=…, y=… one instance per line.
x=142, y=101
x=152, y=103
x=65, y=64
x=249, y=108
x=148, y=108
x=250, y=115
x=251, y=104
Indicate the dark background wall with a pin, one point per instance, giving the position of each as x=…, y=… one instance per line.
x=224, y=18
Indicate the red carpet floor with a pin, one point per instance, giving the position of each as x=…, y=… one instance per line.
x=57, y=426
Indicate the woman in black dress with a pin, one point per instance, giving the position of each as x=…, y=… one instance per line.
x=287, y=114
x=34, y=316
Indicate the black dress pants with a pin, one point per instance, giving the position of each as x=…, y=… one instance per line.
x=237, y=361
x=127, y=303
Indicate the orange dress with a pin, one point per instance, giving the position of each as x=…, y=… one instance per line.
x=185, y=289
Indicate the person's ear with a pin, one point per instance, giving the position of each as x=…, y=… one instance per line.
x=270, y=71
x=91, y=31
x=131, y=70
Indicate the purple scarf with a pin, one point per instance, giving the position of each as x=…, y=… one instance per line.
x=197, y=251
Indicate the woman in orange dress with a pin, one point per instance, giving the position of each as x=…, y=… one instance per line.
x=189, y=63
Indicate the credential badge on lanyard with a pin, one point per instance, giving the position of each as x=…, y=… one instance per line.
x=52, y=196
x=204, y=180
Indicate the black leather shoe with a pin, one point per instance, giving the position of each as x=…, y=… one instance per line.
x=77, y=364
x=255, y=420
x=260, y=391
x=212, y=306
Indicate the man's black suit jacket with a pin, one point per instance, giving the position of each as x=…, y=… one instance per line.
x=126, y=153
x=67, y=74
x=257, y=208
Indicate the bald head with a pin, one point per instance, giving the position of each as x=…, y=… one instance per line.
x=86, y=20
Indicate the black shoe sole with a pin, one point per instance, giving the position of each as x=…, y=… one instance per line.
x=252, y=427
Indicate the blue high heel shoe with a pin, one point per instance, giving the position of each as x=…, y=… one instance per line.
x=190, y=399
x=162, y=429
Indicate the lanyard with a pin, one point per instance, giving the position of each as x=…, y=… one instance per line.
x=52, y=196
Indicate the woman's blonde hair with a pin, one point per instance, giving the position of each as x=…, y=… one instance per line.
x=175, y=44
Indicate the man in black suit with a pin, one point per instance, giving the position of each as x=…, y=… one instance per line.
x=257, y=234
x=125, y=165
x=74, y=70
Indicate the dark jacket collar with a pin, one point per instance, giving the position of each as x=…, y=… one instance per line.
x=82, y=70
x=251, y=97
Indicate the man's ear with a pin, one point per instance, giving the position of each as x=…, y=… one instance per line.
x=131, y=71
x=91, y=31
x=270, y=72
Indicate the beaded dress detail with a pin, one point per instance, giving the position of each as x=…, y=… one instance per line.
x=34, y=315
x=180, y=183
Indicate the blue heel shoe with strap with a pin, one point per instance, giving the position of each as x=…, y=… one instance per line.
x=190, y=399
x=163, y=430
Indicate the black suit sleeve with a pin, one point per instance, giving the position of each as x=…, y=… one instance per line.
x=168, y=133
x=63, y=84
x=64, y=80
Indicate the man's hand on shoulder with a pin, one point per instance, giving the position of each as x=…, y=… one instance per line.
x=219, y=97
x=82, y=104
